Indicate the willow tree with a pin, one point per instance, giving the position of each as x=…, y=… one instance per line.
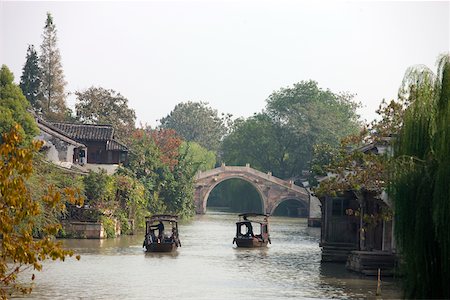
x=420, y=183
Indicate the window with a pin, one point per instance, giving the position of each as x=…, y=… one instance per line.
x=338, y=206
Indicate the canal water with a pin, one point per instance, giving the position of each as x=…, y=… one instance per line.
x=207, y=266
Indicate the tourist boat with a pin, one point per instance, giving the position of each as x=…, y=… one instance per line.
x=166, y=238
x=252, y=230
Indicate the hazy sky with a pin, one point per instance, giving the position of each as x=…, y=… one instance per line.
x=232, y=54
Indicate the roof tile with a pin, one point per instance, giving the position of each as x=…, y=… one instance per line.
x=84, y=132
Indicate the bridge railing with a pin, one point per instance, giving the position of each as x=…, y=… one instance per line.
x=247, y=169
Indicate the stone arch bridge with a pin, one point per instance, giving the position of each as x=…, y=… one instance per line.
x=272, y=190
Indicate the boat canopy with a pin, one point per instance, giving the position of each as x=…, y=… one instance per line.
x=243, y=218
x=156, y=218
x=253, y=215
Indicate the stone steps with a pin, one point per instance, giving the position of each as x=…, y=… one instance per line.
x=368, y=262
x=336, y=252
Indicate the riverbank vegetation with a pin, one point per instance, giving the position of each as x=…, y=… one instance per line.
x=414, y=171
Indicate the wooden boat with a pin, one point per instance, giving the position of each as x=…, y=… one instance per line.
x=246, y=237
x=163, y=240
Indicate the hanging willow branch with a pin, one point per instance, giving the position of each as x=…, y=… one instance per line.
x=420, y=181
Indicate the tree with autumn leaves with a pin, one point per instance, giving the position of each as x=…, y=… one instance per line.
x=19, y=212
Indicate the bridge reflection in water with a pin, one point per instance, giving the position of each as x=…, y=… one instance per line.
x=207, y=266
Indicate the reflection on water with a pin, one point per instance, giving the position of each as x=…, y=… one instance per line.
x=207, y=266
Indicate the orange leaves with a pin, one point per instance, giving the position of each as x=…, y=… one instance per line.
x=169, y=144
x=73, y=196
x=18, y=212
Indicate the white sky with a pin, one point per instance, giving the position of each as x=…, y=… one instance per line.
x=232, y=54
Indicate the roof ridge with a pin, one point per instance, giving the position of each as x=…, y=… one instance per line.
x=48, y=124
x=78, y=124
x=87, y=131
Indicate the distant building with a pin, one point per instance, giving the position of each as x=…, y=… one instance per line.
x=84, y=146
x=60, y=148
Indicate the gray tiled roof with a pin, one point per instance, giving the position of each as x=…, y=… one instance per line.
x=115, y=145
x=54, y=131
x=84, y=132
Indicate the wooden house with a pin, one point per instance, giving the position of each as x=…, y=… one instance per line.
x=102, y=148
x=84, y=146
x=356, y=228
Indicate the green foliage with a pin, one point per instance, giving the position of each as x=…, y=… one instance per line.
x=177, y=189
x=52, y=96
x=264, y=144
x=197, y=122
x=47, y=175
x=324, y=156
x=102, y=106
x=109, y=225
x=200, y=158
x=130, y=195
x=30, y=80
x=165, y=171
x=315, y=115
x=13, y=108
x=118, y=197
x=282, y=138
x=144, y=159
x=99, y=188
x=420, y=184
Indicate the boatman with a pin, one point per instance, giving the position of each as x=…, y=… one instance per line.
x=160, y=228
x=249, y=227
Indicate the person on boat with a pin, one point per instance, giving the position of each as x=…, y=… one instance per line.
x=152, y=237
x=160, y=228
x=249, y=227
x=174, y=233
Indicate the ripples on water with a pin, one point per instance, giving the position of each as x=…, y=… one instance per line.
x=207, y=266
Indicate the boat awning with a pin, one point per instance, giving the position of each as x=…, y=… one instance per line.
x=155, y=218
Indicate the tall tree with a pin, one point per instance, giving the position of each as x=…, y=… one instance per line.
x=196, y=122
x=52, y=95
x=30, y=80
x=264, y=144
x=420, y=184
x=97, y=105
x=13, y=108
x=281, y=139
x=313, y=114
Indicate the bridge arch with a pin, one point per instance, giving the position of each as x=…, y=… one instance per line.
x=302, y=202
x=208, y=191
x=272, y=190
